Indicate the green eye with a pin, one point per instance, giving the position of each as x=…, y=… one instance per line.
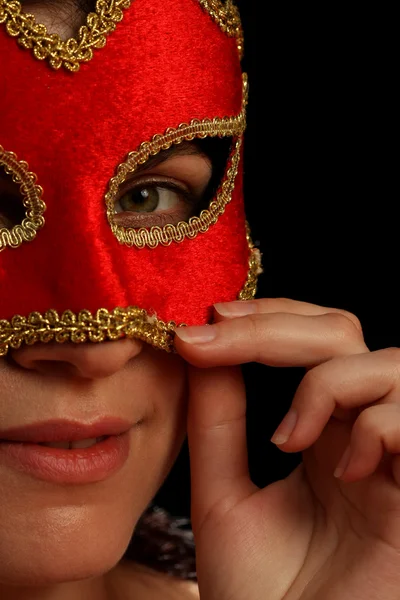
x=142, y=200
x=147, y=199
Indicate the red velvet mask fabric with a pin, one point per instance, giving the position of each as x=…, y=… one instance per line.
x=166, y=63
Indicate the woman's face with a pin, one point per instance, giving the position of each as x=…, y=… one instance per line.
x=56, y=532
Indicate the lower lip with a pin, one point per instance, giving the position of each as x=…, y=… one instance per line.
x=75, y=466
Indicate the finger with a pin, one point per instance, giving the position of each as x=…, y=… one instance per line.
x=217, y=442
x=347, y=383
x=276, y=339
x=242, y=308
x=376, y=431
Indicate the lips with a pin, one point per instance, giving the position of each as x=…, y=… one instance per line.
x=65, y=431
x=67, y=466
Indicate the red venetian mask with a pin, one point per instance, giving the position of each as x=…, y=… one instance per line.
x=143, y=76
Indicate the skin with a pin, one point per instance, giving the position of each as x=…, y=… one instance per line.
x=59, y=542
x=310, y=536
x=51, y=533
x=307, y=537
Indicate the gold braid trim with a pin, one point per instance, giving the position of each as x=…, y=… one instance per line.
x=227, y=16
x=226, y=127
x=255, y=269
x=49, y=46
x=35, y=207
x=131, y=322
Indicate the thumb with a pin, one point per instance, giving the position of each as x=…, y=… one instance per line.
x=220, y=476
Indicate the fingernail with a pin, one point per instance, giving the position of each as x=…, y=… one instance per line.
x=343, y=463
x=239, y=308
x=196, y=335
x=285, y=429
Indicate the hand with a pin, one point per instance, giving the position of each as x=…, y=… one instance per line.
x=312, y=536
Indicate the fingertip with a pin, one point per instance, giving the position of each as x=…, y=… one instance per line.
x=352, y=468
x=357, y=470
x=192, y=353
x=297, y=442
x=201, y=334
x=349, y=476
x=288, y=447
x=296, y=434
x=232, y=310
x=286, y=428
x=343, y=463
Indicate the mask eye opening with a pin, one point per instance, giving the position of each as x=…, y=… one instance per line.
x=227, y=127
x=21, y=206
x=220, y=152
x=170, y=233
x=12, y=209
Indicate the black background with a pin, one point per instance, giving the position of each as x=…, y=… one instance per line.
x=321, y=191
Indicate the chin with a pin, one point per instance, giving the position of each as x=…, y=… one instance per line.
x=67, y=564
x=37, y=574
x=69, y=546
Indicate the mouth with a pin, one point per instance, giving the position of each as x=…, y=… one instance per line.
x=65, y=461
x=63, y=433
x=70, y=445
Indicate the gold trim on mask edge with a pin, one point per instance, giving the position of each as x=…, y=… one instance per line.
x=49, y=46
x=35, y=207
x=255, y=269
x=131, y=322
x=227, y=16
x=226, y=127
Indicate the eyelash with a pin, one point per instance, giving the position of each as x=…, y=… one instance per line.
x=165, y=183
x=132, y=219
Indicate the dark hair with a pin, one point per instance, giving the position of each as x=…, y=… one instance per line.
x=164, y=543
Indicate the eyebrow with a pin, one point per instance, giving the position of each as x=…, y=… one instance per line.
x=182, y=149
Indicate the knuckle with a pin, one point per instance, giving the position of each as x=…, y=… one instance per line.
x=368, y=420
x=280, y=301
x=275, y=304
x=344, y=327
x=354, y=319
x=392, y=354
x=259, y=329
x=315, y=384
x=392, y=358
x=254, y=327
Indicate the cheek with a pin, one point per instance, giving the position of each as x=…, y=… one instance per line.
x=165, y=384
x=156, y=381
x=163, y=430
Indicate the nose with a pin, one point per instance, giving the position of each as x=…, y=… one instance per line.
x=88, y=360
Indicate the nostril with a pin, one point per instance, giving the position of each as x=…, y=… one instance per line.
x=56, y=368
x=83, y=361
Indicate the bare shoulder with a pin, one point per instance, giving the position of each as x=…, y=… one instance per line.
x=132, y=580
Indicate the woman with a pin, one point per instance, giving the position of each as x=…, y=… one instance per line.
x=115, y=217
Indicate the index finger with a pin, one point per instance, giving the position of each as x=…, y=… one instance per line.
x=240, y=308
x=275, y=339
